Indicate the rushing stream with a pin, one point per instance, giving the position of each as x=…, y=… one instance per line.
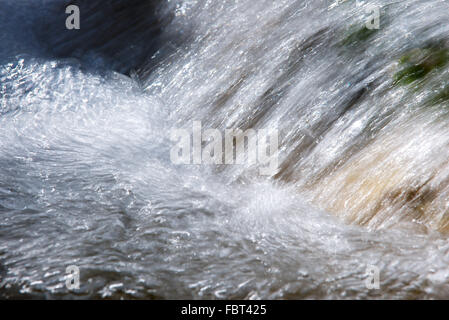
x=87, y=179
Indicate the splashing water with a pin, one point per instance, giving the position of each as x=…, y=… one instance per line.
x=85, y=171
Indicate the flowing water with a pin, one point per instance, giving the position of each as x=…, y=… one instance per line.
x=86, y=177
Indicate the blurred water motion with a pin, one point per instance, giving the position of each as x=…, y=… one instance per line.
x=85, y=171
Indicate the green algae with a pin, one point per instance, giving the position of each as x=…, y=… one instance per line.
x=419, y=62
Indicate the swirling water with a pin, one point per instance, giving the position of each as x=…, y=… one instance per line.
x=85, y=171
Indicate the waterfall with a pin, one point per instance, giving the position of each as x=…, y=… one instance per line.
x=359, y=172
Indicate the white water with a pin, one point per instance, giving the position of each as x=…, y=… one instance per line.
x=86, y=178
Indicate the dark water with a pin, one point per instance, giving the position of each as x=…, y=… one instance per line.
x=86, y=177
